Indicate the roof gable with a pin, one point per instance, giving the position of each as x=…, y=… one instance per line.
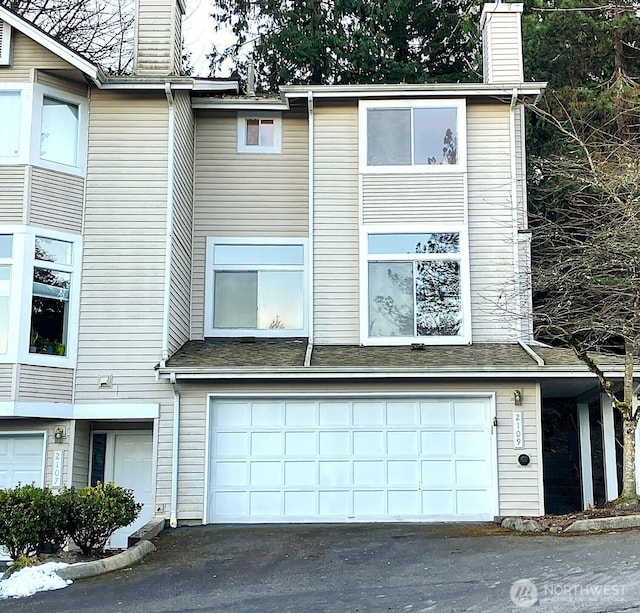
x=49, y=43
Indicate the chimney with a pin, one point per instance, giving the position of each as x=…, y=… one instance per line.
x=158, y=37
x=502, y=43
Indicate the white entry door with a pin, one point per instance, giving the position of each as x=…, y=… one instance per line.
x=129, y=464
x=352, y=460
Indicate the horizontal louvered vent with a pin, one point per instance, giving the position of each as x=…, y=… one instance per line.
x=5, y=43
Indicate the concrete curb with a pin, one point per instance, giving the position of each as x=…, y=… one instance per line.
x=129, y=557
x=604, y=523
x=595, y=524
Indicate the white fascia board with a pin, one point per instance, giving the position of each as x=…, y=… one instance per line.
x=28, y=29
x=202, y=85
x=239, y=104
x=453, y=373
x=54, y=410
x=533, y=89
x=117, y=410
x=143, y=83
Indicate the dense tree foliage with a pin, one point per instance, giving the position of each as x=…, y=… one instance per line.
x=584, y=190
x=351, y=41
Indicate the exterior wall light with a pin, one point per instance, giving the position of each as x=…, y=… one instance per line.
x=517, y=398
x=58, y=434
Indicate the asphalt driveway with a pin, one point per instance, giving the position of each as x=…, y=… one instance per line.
x=356, y=568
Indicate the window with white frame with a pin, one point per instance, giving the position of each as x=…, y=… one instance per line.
x=39, y=295
x=6, y=260
x=43, y=126
x=255, y=287
x=416, y=287
x=412, y=136
x=53, y=265
x=259, y=133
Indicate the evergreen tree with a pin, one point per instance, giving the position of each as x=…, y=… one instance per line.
x=351, y=41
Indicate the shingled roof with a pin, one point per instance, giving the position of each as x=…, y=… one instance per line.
x=217, y=357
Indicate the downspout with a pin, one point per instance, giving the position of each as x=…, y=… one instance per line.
x=173, y=517
x=514, y=213
x=169, y=222
x=310, y=262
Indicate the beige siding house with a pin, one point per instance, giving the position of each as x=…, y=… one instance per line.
x=307, y=307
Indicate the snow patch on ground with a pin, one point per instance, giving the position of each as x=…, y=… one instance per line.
x=32, y=579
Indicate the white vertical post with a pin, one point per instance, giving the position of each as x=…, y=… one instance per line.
x=586, y=468
x=609, y=448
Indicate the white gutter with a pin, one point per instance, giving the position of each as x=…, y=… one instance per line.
x=310, y=263
x=399, y=91
x=504, y=372
x=173, y=517
x=514, y=213
x=238, y=103
x=169, y=222
x=539, y=361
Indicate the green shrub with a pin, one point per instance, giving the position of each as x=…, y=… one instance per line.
x=32, y=520
x=19, y=564
x=95, y=513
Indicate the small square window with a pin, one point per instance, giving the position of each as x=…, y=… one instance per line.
x=259, y=133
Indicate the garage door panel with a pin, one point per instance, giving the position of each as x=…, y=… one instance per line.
x=334, y=443
x=402, y=414
x=334, y=473
x=353, y=459
x=435, y=414
x=21, y=457
x=368, y=413
x=300, y=504
x=334, y=503
x=402, y=443
x=437, y=443
x=335, y=414
x=231, y=444
x=300, y=473
x=300, y=443
x=367, y=444
x=438, y=502
x=266, y=444
x=232, y=414
x=300, y=414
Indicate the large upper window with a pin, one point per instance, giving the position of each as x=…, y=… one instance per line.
x=418, y=136
x=39, y=295
x=42, y=126
x=255, y=287
x=416, y=287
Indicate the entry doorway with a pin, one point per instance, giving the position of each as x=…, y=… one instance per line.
x=126, y=459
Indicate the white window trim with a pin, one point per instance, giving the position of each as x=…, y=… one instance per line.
x=210, y=331
x=242, y=132
x=22, y=265
x=464, y=338
x=31, y=102
x=5, y=47
x=458, y=104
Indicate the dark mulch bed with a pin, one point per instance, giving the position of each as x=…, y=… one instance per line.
x=557, y=523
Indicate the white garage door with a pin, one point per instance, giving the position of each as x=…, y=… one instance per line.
x=351, y=460
x=21, y=459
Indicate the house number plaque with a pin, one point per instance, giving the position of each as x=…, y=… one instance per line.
x=58, y=458
x=518, y=430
